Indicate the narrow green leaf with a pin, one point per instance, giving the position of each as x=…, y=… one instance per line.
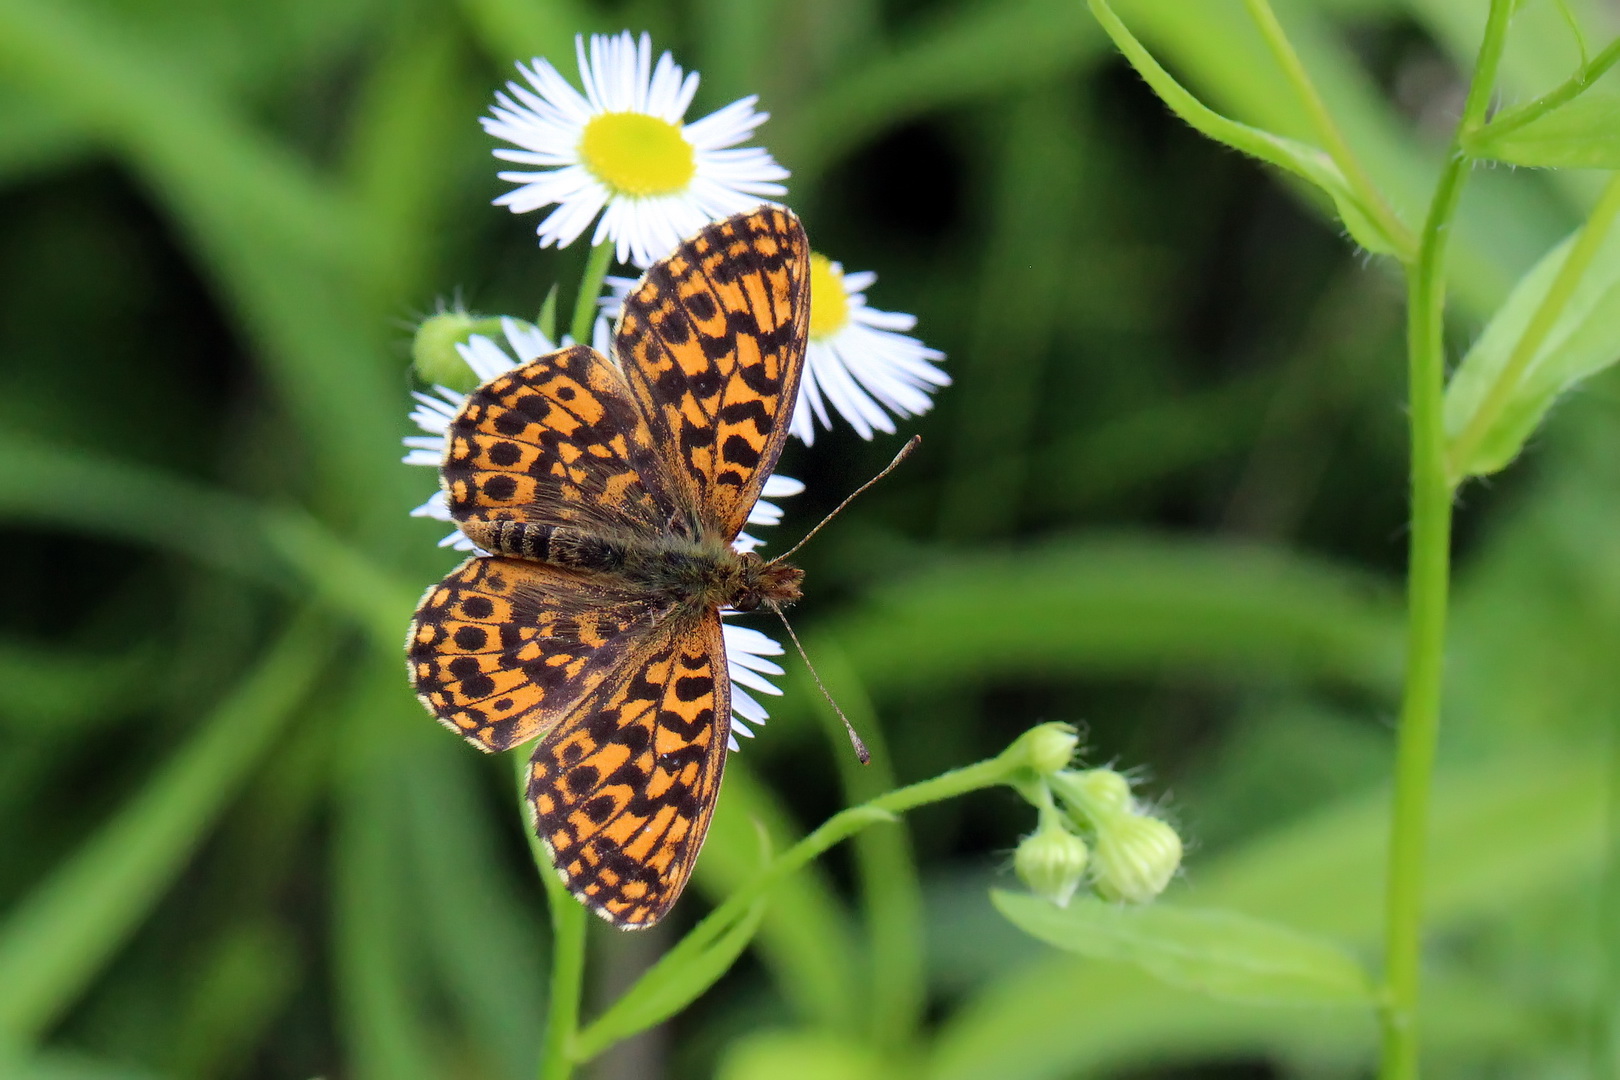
x=1560, y=325
x=1304, y=161
x=1221, y=953
x=1583, y=134
x=547, y=321
x=806, y=942
x=684, y=973
x=58, y=937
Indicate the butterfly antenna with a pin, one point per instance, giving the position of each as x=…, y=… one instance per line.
x=861, y=751
x=905, y=452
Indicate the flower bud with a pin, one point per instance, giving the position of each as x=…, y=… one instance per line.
x=1048, y=748
x=1052, y=862
x=434, y=353
x=1097, y=795
x=1137, y=856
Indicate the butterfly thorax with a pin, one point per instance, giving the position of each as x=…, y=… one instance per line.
x=700, y=574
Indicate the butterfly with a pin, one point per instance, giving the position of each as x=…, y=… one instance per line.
x=607, y=494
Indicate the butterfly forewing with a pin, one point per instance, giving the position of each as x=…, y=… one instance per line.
x=623, y=792
x=712, y=345
x=558, y=441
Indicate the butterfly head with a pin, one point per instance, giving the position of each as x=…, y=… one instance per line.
x=761, y=583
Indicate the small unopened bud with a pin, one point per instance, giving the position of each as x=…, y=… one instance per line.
x=434, y=353
x=1136, y=858
x=1048, y=748
x=1052, y=862
x=1097, y=795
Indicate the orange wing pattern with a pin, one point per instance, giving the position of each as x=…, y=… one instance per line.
x=712, y=344
x=558, y=441
x=624, y=789
x=502, y=649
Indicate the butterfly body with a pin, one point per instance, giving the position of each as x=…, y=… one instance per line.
x=692, y=574
x=607, y=494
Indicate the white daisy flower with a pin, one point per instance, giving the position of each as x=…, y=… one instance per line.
x=623, y=150
x=746, y=649
x=859, y=359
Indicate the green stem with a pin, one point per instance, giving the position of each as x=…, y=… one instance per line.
x=1428, y=580
x=590, y=287
x=568, y=917
x=1506, y=386
x=1572, y=88
x=846, y=823
x=1333, y=140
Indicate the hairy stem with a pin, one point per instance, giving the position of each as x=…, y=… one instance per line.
x=1565, y=92
x=1429, y=567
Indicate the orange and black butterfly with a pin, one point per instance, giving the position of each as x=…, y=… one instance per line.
x=608, y=495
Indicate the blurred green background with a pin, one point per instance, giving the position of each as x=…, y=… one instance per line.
x=1164, y=501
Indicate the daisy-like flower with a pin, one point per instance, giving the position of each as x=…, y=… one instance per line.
x=624, y=150
x=746, y=649
x=859, y=359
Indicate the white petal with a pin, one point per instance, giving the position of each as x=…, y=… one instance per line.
x=778, y=486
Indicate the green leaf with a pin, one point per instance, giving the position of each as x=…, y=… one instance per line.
x=1560, y=325
x=1582, y=134
x=1503, y=833
x=685, y=972
x=801, y=1055
x=1304, y=161
x=1221, y=953
x=59, y=936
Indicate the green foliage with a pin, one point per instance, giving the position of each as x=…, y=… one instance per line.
x=1162, y=503
x=1220, y=953
x=1560, y=326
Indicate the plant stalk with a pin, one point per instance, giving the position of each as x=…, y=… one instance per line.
x=1428, y=580
x=1567, y=91
x=590, y=288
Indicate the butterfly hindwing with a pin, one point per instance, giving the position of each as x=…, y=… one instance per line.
x=623, y=790
x=712, y=345
x=503, y=649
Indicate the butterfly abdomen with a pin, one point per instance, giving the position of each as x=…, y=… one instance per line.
x=559, y=545
x=693, y=574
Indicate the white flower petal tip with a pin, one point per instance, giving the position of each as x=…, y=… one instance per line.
x=858, y=361
x=746, y=659
x=621, y=153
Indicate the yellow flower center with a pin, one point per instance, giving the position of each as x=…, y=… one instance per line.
x=636, y=154
x=829, y=304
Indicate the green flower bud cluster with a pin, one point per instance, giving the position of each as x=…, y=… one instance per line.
x=1092, y=830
